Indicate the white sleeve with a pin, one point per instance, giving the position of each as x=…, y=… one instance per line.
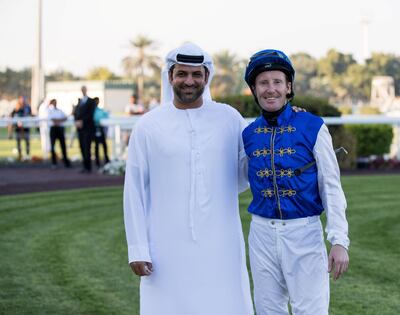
x=136, y=190
x=330, y=189
x=243, y=180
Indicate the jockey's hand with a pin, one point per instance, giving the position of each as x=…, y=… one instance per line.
x=298, y=109
x=338, y=261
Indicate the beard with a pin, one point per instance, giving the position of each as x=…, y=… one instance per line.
x=188, y=98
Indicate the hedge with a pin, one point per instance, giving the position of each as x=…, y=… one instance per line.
x=372, y=139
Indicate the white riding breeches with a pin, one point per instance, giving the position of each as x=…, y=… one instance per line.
x=289, y=262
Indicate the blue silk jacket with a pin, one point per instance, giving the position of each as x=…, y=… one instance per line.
x=274, y=153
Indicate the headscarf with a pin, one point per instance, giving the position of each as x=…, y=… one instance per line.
x=191, y=55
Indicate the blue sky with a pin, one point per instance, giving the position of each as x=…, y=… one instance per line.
x=81, y=34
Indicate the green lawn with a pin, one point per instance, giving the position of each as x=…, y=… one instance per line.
x=65, y=252
x=8, y=147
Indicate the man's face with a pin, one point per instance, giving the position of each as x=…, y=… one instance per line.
x=84, y=90
x=271, y=88
x=188, y=83
x=21, y=100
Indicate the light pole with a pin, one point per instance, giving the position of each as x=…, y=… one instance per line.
x=37, y=89
x=365, y=21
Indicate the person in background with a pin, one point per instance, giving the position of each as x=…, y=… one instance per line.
x=84, y=123
x=154, y=103
x=288, y=258
x=57, y=132
x=133, y=107
x=100, y=133
x=22, y=109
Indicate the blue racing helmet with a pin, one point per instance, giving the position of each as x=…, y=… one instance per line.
x=268, y=60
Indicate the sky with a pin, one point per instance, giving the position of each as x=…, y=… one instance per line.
x=79, y=35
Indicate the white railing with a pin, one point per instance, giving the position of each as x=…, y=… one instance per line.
x=117, y=125
x=356, y=119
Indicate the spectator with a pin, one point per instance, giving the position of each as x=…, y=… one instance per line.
x=100, y=133
x=22, y=109
x=57, y=118
x=154, y=103
x=133, y=107
x=84, y=123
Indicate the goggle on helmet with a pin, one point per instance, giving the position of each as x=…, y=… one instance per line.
x=268, y=60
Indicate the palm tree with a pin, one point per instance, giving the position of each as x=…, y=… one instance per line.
x=101, y=73
x=141, y=63
x=226, y=80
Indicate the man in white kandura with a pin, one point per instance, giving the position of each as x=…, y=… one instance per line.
x=184, y=171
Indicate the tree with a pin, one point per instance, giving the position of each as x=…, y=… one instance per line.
x=357, y=80
x=321, y=87
x=15, y=83
x=61, y=75
x=101, y=73
x=142, y=63
x=226, y=80
x=332, y=69
x=306, y=69
x=334, y=63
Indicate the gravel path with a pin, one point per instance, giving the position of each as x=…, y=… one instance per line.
x=37, y=178
x=25, y=178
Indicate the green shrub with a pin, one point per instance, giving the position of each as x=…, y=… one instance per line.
x=246, y=105
x=372, y=139
x=341, y=137
x=315, y=105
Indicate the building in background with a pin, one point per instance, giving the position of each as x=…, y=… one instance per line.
x=113, y=95
x=383, y=94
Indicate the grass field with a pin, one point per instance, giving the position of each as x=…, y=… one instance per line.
x=65, y=252
x=8, y=147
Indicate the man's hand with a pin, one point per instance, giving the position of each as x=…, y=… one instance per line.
x=78, y=124
x=338, y=261
x=298, y=109
x=142, y=268
x=58, y=122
